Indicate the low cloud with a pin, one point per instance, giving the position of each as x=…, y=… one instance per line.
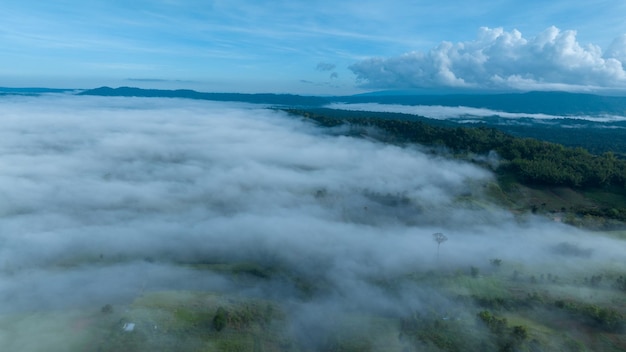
x=105, y=198
x=497, y=59
x=463, y=112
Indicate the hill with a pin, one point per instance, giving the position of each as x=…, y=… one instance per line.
x=262, y=98
x=529, y=170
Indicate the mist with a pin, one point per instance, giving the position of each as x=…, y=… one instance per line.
x=465, y=113
x=104, y=199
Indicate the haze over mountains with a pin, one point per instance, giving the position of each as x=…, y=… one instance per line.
x=554, y=103
x=558, y=104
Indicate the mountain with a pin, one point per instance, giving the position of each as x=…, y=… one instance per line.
x=263, y=98
x=32, y=91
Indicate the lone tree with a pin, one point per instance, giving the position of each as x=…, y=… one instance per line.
x=439, y=238
x=220, y=319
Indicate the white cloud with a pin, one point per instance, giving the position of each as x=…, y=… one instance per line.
x=617, y=50
x=496, y=59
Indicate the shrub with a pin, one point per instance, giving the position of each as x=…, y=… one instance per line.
x=220, y=318
x=474, y=271
x=496, y=262
x=520, y=332
x=107, y=309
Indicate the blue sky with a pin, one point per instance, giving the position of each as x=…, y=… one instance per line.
x=315, y=46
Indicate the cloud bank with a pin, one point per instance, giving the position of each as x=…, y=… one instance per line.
x=501, y=60
x=462, y=112
x=102, y=199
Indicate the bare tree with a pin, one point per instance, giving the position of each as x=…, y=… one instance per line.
x=439, y=238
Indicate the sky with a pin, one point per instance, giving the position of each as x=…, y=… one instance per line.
x=315, y=47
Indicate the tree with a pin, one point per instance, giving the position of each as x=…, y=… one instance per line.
x=220, y=319
x=439, y=238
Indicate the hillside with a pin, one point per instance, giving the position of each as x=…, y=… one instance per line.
x=262, y=98
x=528, y=169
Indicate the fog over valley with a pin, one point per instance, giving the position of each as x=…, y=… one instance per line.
x=106, y=199
x=321, y=176
x=464, y=112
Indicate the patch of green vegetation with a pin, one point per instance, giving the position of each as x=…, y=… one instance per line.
x=442, y=333
x=198, y=321
x=362, y=332
x=604, y=318
x=483, y=286
x=56, y=331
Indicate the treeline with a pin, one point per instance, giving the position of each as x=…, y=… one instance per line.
x=531, y=160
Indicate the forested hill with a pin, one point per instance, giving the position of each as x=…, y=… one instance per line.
x=32, y=91
x=263, y=98
x=530, y=161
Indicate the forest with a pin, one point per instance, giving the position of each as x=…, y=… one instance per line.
x=530, y=161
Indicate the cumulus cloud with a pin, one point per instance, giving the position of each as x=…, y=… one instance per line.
x=103, y=198
x=617, y=50
x=497, y=59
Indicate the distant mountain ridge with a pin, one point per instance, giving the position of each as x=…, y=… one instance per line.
x=261, y=98
x=552, y=103
x=32, y=90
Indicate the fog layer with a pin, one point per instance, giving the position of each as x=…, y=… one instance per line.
x=103, y=198
x=463, y=112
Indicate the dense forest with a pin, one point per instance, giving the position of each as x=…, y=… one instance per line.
x=535, y=161
x=597, y=138
x=531, y=161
